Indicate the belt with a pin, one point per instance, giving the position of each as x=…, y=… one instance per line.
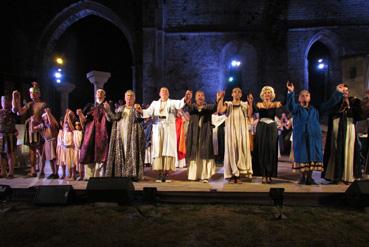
x=162, y=117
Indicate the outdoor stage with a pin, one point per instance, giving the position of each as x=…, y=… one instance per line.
x=286, y=179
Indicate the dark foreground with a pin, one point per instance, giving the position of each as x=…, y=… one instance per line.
x=181, y=225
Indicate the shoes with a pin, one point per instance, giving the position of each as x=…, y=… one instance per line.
x=51, y=176
x=42, y=175
x=31, y=175
x=10, y=176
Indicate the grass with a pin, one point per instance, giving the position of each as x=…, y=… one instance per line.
x=181, y=225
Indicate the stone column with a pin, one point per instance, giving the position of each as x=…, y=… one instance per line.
x=98, y=78
x=64, y=88
x=133, y=69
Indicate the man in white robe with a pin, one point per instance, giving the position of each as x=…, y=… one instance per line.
x=164, y=140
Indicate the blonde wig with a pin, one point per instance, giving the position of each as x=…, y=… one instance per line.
x=267, y=88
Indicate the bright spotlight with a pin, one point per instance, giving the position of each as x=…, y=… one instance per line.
x=59, y=70
x=320, y=60
x=235, y=63
x=59, y=60
x=57, y=75
x=58, y=81
x=230, y=79
x=321, y=66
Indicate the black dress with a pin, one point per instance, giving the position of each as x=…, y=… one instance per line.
x=265, y=160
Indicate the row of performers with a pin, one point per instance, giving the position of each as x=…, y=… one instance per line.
x=121, y=152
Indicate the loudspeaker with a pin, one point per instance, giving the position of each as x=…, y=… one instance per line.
x=116, y=189
x=5, y=192
x=357, y=193
x=47, y=195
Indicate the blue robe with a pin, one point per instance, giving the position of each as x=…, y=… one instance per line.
x=307, y=134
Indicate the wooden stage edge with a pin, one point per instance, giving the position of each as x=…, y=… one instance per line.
x=180, y=190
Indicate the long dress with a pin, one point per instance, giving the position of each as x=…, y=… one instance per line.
x=218, y=121
x=342, y=151
x=237, y=155
x=77, y=141
x=199, y=143
x=181, y=142
x=68, y=149
x=164, y=141
x=127, y=144
x=266, y=142
x=95, y=144
x=307, y=137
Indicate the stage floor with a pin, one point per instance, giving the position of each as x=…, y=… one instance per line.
x=286, y=179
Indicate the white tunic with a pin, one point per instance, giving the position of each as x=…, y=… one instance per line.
x=164, y=124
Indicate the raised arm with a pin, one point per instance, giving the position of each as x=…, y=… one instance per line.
x=292, y=106
x=51, y=118
x=333, y=101
x=221, y=107
x=16, y=104
x=110, y=116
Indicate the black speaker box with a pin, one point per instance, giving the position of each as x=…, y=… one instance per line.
x=116, y=189
x=357, y=193
x=49, y=195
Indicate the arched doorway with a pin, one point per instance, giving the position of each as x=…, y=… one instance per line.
x=238, y=67
x=319, y=66
x=59, y=25
x=84, y=51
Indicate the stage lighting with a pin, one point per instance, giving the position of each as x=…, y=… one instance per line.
x=235, y=63
x=57, y=75
x=5, y=192
x=59, y=60
x=276, y=194
x=230, y=79
x=321, y=64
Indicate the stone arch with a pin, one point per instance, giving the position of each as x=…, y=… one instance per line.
x=335, y=47
x=247, y=54
x=67, y=17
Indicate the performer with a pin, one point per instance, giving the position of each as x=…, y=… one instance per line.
x=164, y=141
x=95, y=144
x=237, y=155
x=68, y=145
x=59, y=147
x=307, y=134
x=199, y=142
x=8, y=138
x=127, y=142
x=77, y=142
x=342, y=152
x=182, y=121
x=33, y=110
x=266, y=136
x=49, y=131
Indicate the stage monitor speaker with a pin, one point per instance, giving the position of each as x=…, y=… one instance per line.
x=48, y=195
x=357, y=193
x=116, y=189
x=5, y=192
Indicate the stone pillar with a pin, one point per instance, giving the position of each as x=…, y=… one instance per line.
x=133, y=68
x=98, y=78
x=64, y=88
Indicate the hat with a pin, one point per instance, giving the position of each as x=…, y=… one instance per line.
x=35, y=88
